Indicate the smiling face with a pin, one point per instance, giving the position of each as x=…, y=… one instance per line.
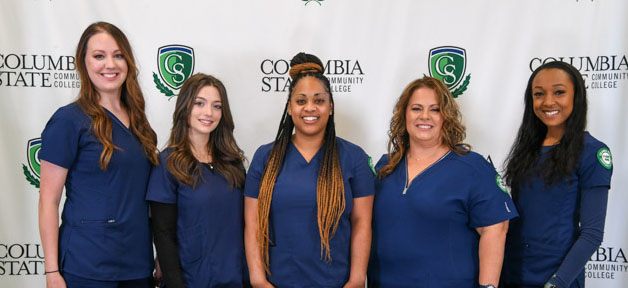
x=552, y=98
x=310, y=106
x=424, y=121
x=206, y=111
x=105, y=63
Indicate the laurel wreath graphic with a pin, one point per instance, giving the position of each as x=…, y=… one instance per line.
x=317, y=1
x=162, y=88
x=458, y=91
x=30, y=177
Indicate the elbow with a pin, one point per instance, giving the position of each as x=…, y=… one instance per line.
x=592, y=236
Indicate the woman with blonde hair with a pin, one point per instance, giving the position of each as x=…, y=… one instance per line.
x=100, y=148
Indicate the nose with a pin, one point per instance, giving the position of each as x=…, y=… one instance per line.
x=109, y=62
x=310, y=106
x=549, y=100
x=424, y=114
x=209, y=109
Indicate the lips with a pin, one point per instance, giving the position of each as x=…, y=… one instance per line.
x=110, y=76
x=424, y=126
x=206, y=122
x=309, y=119
x=551, y=113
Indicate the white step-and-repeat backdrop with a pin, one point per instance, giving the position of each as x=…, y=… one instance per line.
x=372, y=49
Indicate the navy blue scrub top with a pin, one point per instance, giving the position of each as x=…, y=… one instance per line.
x=426, y=237
x=104, y=234
x=538, y=242
x=295, y=250
x=209, y=225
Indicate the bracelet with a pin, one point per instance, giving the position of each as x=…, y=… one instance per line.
x=53, y=271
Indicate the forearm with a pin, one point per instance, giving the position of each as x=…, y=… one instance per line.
x=361, y=233
x=51, y=187
x=592, y=218
x=360, y=248
x=164, y=221
x=491, y=252
x=49, y=233
x=257, y=273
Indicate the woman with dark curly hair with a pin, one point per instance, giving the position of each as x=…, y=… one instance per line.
x=440, y=214
x=308, y=194
x=195, y=193
x=560, y=176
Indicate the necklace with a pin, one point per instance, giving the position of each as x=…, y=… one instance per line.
x=209, y=165
x=426, y=157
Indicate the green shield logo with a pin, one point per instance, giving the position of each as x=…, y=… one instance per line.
x=448, y=64
x=176, y=64
x=32, y=152
x=34, y=165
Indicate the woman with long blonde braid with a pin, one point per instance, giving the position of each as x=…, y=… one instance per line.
x=309, y=195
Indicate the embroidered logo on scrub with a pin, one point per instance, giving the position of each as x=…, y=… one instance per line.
x=605, y=157
x=371, y=166
x=500, y=183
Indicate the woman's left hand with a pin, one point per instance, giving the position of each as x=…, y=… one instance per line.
x=158, y=274
x=354, y=284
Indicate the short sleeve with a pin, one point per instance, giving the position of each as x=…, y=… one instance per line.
x=255, y=173
x=489, y=201
x=383, y=160
x=60, y=139
x=363, y=181
x=162, y=186
x=596, y=167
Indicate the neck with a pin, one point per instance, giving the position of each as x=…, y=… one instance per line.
x=110, y=101
x=553, y=136
x=426, y=151
x=308, y=143
x=198, y=144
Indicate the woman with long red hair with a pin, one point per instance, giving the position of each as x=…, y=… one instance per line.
x=101, y=148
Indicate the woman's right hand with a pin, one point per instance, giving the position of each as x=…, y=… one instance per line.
x=55, y=280
x=262, y=284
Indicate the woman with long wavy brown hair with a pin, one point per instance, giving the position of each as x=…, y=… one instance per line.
x=195, y=193
x=439, y=217
x=308, y=194
x=100, y=147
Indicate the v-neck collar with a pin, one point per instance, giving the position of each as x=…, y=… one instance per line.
x=406, y=183
x=301, y=155
x=115, y=119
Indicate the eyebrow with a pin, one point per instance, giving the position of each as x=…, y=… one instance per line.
x=103, y=51
x=435, y=104
x=316, y=94
x=555, y=85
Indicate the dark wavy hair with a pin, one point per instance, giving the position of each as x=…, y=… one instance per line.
x=227, y=157
x=132, y=98
x=564, y=157
x=330, y=187
x=453, y=130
